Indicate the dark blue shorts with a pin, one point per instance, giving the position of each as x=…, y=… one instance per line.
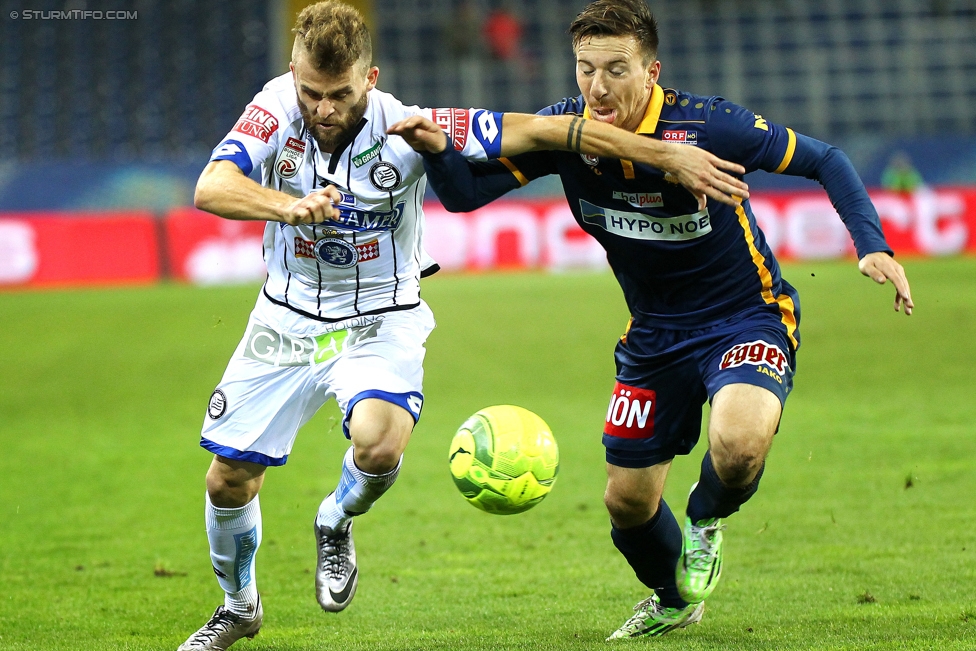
x=665, y=376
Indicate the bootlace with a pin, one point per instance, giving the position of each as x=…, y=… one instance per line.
x=334, y=550
x=221, y=621
x=700, y=556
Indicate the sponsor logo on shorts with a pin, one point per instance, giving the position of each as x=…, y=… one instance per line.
x=384, y=176
x=415, y=402
x=290, y=158
x=631, y=412
x=218, y=404
x=766, y=357
x=279, y=349
x=681, y=136
x=257, y=122
x=638, y=226
x=336, y=252
x=640, y=199
x=455, y=123
x=592, y=161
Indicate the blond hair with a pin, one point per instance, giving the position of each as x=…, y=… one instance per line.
x=334, y=36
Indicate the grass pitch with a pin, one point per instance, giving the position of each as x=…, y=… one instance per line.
x=861, y=536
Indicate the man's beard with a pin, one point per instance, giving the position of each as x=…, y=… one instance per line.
x=341, y=129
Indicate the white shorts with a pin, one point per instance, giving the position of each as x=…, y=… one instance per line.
x=287, y=366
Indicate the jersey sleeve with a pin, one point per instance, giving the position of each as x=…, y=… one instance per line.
x=255, y=137
x=475, y=133
x=741, y=136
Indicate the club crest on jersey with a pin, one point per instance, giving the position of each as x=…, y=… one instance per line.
x=218, y=404
x=384, y=176
x=336, y=252
x=631, y=412
x=757, y=353
x=290, y=158
x=680, y=136
x=592, y=161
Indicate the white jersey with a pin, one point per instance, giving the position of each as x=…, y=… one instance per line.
x=370, y=260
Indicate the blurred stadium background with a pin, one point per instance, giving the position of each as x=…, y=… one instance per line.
x=106, y=119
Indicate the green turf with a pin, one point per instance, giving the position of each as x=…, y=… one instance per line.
x=861, y=537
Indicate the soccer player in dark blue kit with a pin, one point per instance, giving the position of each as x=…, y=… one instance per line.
x=712, y=319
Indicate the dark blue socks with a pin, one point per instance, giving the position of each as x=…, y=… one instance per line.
x=713, y=499
x=653, y=550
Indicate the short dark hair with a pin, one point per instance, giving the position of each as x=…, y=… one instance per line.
x=618, y=18
x=334, y=35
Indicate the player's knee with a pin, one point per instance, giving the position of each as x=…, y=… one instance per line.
x=229, y=495
x=229, y=488
x=379, y=433
x=628, y=510
x=738, y=467
x=379, y=455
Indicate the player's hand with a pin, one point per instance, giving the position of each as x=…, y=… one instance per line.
x=701, y=173
x=421, y=134
x=314, y=208
x=881, y=267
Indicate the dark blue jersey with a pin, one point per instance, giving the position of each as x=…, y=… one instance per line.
x=679, y=267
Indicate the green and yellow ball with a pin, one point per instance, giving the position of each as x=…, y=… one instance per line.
x=504, y=459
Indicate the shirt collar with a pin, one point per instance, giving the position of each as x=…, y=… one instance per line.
x=648, y=124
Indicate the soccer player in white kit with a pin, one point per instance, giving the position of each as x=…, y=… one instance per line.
x=340, y=314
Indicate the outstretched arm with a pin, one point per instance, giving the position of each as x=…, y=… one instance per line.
x=697, y=170
x=701, y=172
x=833, y=169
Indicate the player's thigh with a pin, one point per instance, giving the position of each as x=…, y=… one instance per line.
x=747, y=368
x=386, y=368
x=261, y=401
x=655, y=409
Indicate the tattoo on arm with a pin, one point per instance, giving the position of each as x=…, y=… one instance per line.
x=575, y=135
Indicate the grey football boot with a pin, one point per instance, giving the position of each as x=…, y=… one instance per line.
x=336, y=574
x=223, y=629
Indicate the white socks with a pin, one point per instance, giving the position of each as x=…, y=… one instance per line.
x=235, y=535
x=355, y=494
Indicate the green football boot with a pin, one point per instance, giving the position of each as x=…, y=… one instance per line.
x=700, y=566
x=653, y=619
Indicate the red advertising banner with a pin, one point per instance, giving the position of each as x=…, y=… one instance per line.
x=110, y=248
x=209, y=250
x=797, y=225
x=801, y=226
x=45, y=249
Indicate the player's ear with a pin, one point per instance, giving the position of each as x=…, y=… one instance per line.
x=372, y=75
x=653, y=73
